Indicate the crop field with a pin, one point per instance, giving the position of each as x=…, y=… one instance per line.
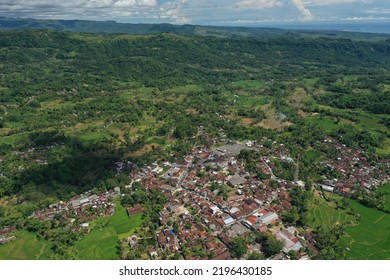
x=123, y=224
x=325, y=122
x=386, y=190
x=323, y=215
x=102, y=241
x=384, y=150
x=156, y=141
x=26, y=247
x=313, y=155
x=370, y=238
x=99, y=244
x=248, y=85
x=89, y=136
x=8, y=139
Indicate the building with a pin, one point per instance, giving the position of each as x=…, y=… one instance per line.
x=268, y=218
x=137, y=209
x=237, y=180
x=327, y=188
x=290, y=241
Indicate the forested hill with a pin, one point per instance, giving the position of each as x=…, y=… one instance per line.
x=227, y=32
x=109, y=90
x=166, y=60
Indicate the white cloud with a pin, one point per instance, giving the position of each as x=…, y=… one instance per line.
x=174, y=10
x=378, y=11
x=258, y=4
x=306, y=14
x=332, y=2
x=366, y=18
x=137, y=3
x=195, y=11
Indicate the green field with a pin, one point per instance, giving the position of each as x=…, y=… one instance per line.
x=247, y=100
x=326, y=123
x=99, y=244
x=123, y=224
x=313, y=155
x=102, y=241
x=184, y=89
x=14, y=124
x=323, y=215
x=250, y=85
x=156, y=141
x=8, y=139
x=91, y=136
x=386, y=190
x=384, y=150
x=370, y=239
x=26, y=247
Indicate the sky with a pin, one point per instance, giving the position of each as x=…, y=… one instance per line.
x=210, y=12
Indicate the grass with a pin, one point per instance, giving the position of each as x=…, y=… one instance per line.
x=145, y=90
x=121, y=129
x=122, y=223
x=56, y=104
x=370, y=239
x=90, y=136
x=156, y=141
x=8, y=140
x=26, y=247
x=325, y=122
x=310, y=82
x=248, y=85
x=131, y=225
x=102, y=241
x=250, y=101
x=184, y=89
x=99, y=244
x=365, y=119
x=321, y=214
x=386, y=190
x=313, y=155
x=12, y=139
x=15, y=124
x=384, y=150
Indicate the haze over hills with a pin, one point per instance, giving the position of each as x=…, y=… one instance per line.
x=295, y=31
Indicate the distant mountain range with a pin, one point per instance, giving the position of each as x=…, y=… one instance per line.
x=127, y=28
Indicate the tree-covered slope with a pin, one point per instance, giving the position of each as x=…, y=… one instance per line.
x=165, y=60
x=215, y=31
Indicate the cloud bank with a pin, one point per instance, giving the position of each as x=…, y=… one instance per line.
x=197, y=11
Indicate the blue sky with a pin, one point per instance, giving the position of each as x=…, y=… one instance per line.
x=213, y=12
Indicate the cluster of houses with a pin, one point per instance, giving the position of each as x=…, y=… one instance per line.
x=81, y=209
x=7, y=234
x=354, y=170
x=211, y=198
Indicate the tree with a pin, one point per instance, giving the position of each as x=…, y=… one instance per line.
x=256, y=256
x=272, y=246
x=291, y=216
x=239, y=246
x=292, y=254
x=328, y=243
x=2, y=211
x=33, y=225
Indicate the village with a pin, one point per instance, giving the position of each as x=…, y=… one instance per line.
x=211, y=198
x=214, y=199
